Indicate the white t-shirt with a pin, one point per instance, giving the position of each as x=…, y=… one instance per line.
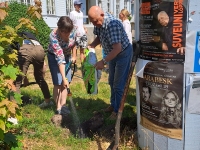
x=127, y=27
x=77, y=18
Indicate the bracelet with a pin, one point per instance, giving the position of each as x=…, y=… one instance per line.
x=104, y=61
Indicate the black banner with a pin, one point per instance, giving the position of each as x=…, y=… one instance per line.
x=161, y=98
x=163, y=29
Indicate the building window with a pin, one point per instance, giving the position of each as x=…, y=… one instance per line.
x=69, y=6
x=27, y=2
x=100, y=3
x=108, y=6
x=125, y=4
x=51, y=7
x=117, y=8
x=132, y=8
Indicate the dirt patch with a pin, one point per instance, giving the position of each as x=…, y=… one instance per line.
x=96, y=127
x=103, y=134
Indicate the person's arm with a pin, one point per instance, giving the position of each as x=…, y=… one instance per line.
x=57, y=50
x=164, y=47
x=116, y=50
x=74, y=54
x=95, y=42
x=115, y=31
x=181, y=50
x=59, y=56
x=114, y=39
x=85, y=29
x=65, y=82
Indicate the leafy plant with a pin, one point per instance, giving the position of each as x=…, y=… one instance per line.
x=9, y=72
x=17, y=11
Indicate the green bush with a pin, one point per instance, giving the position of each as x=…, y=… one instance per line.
x=18, y=11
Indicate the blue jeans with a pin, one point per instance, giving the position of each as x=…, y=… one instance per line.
x=118, y=73
x=103, y=53
x=54, y=69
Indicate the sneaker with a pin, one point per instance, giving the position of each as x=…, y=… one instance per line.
x=13, y=120
x=113, y=116
x=108, y=109
x=65, y=110
x=58, y=112
x=45, y=104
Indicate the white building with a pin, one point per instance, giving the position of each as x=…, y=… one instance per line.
x=53, y=9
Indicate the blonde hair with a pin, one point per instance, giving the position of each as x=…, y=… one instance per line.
x=125, y=13
x=177, y=114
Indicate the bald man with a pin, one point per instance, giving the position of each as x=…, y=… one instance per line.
x=165, y=16
x=114, y=40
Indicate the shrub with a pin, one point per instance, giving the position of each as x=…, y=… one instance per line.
x=9, y=71
x=17, y=11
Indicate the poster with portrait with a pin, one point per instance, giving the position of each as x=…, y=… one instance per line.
x=163, y=29
x=161, y=98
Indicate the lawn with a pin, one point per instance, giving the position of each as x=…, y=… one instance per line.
x=37, y=132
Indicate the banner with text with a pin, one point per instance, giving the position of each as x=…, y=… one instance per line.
x=192, y=55
x=163, y=29
x=161, y=98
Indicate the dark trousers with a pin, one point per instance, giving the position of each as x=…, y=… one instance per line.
x=31, y=54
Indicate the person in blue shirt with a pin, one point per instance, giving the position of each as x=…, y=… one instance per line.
x=114, y=40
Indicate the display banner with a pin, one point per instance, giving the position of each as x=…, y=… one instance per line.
x=161, y=98
x=163, y=29
x=192, y=53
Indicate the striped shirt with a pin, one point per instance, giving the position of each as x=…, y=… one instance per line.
x=111, y=32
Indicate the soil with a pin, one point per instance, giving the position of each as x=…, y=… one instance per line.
x=103, y=134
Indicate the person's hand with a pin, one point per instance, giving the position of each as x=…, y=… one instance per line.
x=99, y=65
x=164, y=47
x=65, y=83
x=73, y=60
x=85, y=30
x=181, y=50
x=90, y=46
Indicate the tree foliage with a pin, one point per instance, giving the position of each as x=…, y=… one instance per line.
x=17, y=11
x=8, y=69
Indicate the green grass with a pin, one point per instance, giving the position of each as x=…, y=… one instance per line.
x=38, y=133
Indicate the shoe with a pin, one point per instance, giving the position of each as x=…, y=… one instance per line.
x=45, y=104
x=113, y=116
x=69, y=93
x=65, y=110
x=58, y=112
x=108, y=109
x=13, y=120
